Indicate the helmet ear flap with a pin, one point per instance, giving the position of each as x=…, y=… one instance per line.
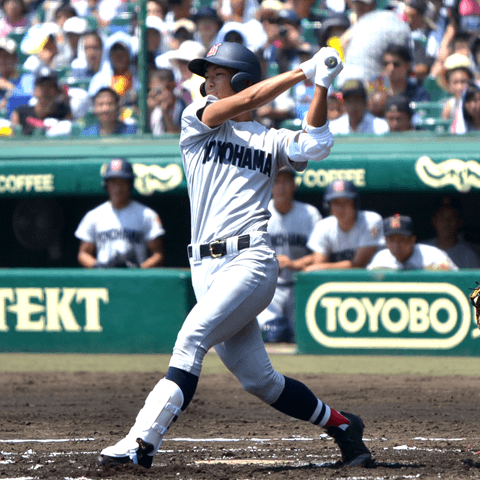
x=202, y=89
x=241, y=80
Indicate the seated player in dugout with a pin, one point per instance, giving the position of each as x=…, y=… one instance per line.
x=348, y=238
x=120, y=233
x=404, y=253
x=289, y=227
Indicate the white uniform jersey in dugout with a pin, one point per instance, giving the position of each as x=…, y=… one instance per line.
x=424, y=257
x=120, y=231
x=290, y=233
x=230, y=171
x=329, y=239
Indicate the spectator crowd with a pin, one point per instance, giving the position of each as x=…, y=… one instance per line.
x=72, y=67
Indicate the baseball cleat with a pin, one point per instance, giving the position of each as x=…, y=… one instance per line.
x=354, y=451
x=142, y=457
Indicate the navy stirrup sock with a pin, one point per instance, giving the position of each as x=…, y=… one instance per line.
x=186, y=381
x=296, y=400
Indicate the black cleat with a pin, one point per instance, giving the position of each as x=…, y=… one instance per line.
x=143, y=457
x=354, y=451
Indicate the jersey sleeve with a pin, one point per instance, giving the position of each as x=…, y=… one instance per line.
x=436, y=259
x=318, y=241
x=372, y=234
x=153, y=225
x=286, y=136
x=383, y=260
x=86, y=229
x=192, y=126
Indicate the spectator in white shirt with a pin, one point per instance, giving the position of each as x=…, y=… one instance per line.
x=357, y=118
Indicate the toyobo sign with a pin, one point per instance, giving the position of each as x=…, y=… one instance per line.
x=386, y=316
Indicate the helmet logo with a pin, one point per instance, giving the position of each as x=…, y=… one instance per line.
x=395, y=222
x=339, y=186
x=213, y=51
x=116, y=165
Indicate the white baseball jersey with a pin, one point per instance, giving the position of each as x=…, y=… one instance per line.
x=424, y=257
x=462, y=255
x=120, y=231
x=329, y=239
x=290, y=233
x=230, y=171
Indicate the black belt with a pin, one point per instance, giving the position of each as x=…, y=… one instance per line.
x=218, y=248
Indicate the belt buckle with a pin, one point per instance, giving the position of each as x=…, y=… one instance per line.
x=215, y=242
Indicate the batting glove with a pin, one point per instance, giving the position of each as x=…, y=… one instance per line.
x=329, y=65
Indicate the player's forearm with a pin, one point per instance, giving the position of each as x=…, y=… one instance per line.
x=317, y=112
x=156, y=260
x=86, y=260
x=302, y=263
x=270, y=88
x=343, y=264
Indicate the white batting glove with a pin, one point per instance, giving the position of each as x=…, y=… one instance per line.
x=329, y=65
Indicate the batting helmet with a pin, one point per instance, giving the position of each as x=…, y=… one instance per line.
x=231, y=55
x=118, y=168
x=340, y=189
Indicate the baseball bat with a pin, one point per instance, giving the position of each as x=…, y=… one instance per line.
x=331, y=62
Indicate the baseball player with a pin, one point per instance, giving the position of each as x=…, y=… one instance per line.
x=348, y=238
x=403, y=253
x=289, y=227
x=231, y=162
x=120, y=232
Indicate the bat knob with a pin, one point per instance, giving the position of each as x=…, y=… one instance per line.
x=331, y=62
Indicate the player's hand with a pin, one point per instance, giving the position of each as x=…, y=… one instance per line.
x=329, y=65
x=317, y=63
x=283, y=261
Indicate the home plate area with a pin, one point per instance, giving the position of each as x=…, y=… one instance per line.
x=53, y=425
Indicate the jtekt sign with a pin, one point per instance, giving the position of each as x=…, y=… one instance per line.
x=50, y=309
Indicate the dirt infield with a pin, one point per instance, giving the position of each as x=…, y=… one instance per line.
x=53, y=424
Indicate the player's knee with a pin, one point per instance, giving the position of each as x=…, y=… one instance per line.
x=266, y=387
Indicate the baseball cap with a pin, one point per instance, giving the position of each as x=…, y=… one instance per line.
x=398, y=103
x=8, y=44
x=353, y=87
x=398, y=225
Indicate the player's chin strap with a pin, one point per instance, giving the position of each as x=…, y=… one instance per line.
x=162, y=406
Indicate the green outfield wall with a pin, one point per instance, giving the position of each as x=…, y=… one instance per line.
x=93, y=311
x=386, y=313
x=338, y=312
x=408, y=163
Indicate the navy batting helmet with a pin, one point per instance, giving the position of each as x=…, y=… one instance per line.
x=340, y=189
x=117, y=168
x=231, y=55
